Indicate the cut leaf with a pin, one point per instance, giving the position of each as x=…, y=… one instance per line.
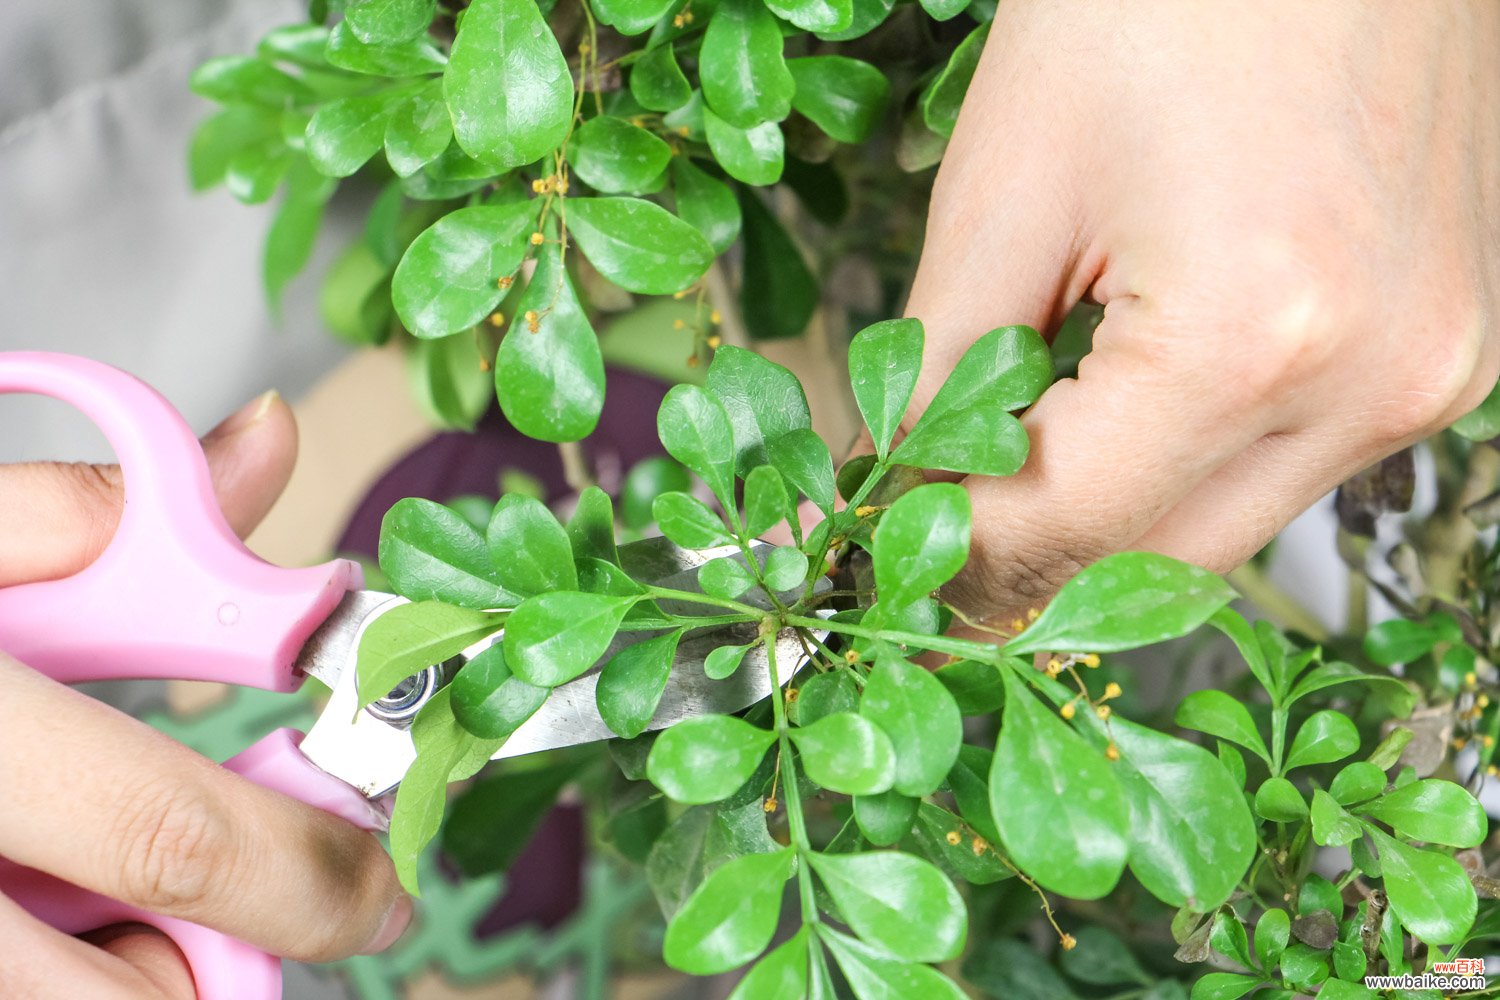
x=409, y=638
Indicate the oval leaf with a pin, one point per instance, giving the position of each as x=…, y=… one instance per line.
x=707, y=758
x=552, y=638
x=846, y=753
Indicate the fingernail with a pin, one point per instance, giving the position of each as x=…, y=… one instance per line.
x=247, y=415
x=395, y=925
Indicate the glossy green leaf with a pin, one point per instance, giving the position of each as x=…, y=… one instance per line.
x=874, y=975
x=591, y=529
x=814, y=15
x=507, y=84
x=970, y=783
x=1435, y=811
x=417, y=131
x=552, y=638
x=921, y=542
x=1190, y=832
x=343, y=134
x=1218, y=714
x=688, y=521
x=754, y=155
x=449, y=382
x=413, y=57
x=613, y=155
x=490, y=701
x=1059, y=807
x=637, y=244
x=1124, y=601
x=885, y=818
x=430, y=553
x=785, y=569
x=945, y=94
x=1223, y=986
x=723, y=661
x=767, y=501
x=1325, y=737
x=825, y=694
x=1272, y=934
x=884, y=361
x=1277, y=799
x=1330, y=674
x=763, y=401
x=1228, y=938
x=1429, y=891
x=631, y=17
x=254, y=173
x=294, y=230
x=846, y=753
x=896, y=902
x=409, y=638
x=1483, y=422
x=221, y=136
x=700, y=840
x=781, y=975
x=740, y=65
x=806, y=464
x=844, y=97
x=1399, y=640
x=657, y=82
x=865, y=17
x=915, y=710
x=530, y=548
x=648, y=479
x=976, y=687
x=971, y=858
x=1357, y=782
x=943, y=10
x=383, y=22
x=246, y=80
x=731, y=917
x=418, y=811
x=695, y=429
x=706, y=758
x=778, y=291
x=1331, y=825
x=706, y=203
x=448, y=279
x=550, y=381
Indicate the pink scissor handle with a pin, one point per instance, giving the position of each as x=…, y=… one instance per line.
x=176, y=594
x=223, y=968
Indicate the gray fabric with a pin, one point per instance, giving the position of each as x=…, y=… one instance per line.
x=104, y=250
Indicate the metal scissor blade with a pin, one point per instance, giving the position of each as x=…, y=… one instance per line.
x=333, y=646
x=373, y=755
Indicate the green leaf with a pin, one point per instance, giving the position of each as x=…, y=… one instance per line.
x=1228, y=938
x=874, y=975
x=491, y=702
x=1102, y=959
x=246, y=80
x=591, y=529
x=687, y=521
x=695, y=429
x=1217, y=714
x=823, y=695
x=886, y=817
x=1428, y=891
x=552, y=638
x=1331, y=825
x=550, y=381
x=448, y=279
x=767, y=502
x=384, y=22
x=612, y=155
x=814, y=15
x=1124, y=601
x=1059, y=808
x=846, y=753
x=1331, y=674
x=1223, y=986
x=866, y=16
x=631, y=17
x=418, y=810
x=700, y=840
x=945, y=94
x=294, y=230
x=972, y=859
x=637, y=244
x=806, y=464
x=921, y=542
x=448, y=381
x=256, y=171
x=705, y=203
x=1337, y=990
x=1357, y=782
x=763, y=401
x=414, y=57
x=1438, y=812
x=786, y=569
x=976, y=687
x=896, y=902
x=753, y=155
x=507, y=84
x=1389, y=750
x=723, y=661
x=740, y=66
x=530, y=548
x=943, y=10
x=1399, y=640
x=221, y=136
x=418, y=131
x=1277, y=799
x=648, y=479
x=731, y=917
x=916, y=711
x=343, y=134
x=430, y=553
x=706, y=758
x=1272, y=933
x=494, y=821
x=657, y=82
x=1325, y=737
x=409, y=638
x=970, y=782
x=778, y=292
x=781, y=975
x=884, y=361
x=1190, y=833
x=1482, y=422
x=844, y=97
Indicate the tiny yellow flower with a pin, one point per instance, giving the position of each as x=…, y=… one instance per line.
x=505, y=281
x=979, y=846
x=851, y=656
x=1054, y=667
x=1102, y=711
x=1068, y=942
x=1112, y=752
x=1090, y=660
x=1068, y=710
x=791, y=695
x=678, y=324
x=953, y=838
x=770, y=804
x=714, y=341
x=497, y=319
x=1032, y=614
x=1112, y=690
x=537, y=239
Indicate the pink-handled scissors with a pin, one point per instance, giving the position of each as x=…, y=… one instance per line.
x=177, y=595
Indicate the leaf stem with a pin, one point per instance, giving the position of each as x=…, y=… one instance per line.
x=695, y=597
x=796, y=822
x=985, y=652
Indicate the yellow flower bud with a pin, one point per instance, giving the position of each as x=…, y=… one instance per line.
x=1090, y=660
x=537, y=239
x=1112, y=690
x=953, y=838
x=1068, y=942
x=1102, y=711
x=1112, y=752
x=1068, y=710
x=497, y=319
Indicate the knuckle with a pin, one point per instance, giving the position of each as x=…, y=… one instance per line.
x=95, y=493
x=177, y=848
x=1451, y=374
